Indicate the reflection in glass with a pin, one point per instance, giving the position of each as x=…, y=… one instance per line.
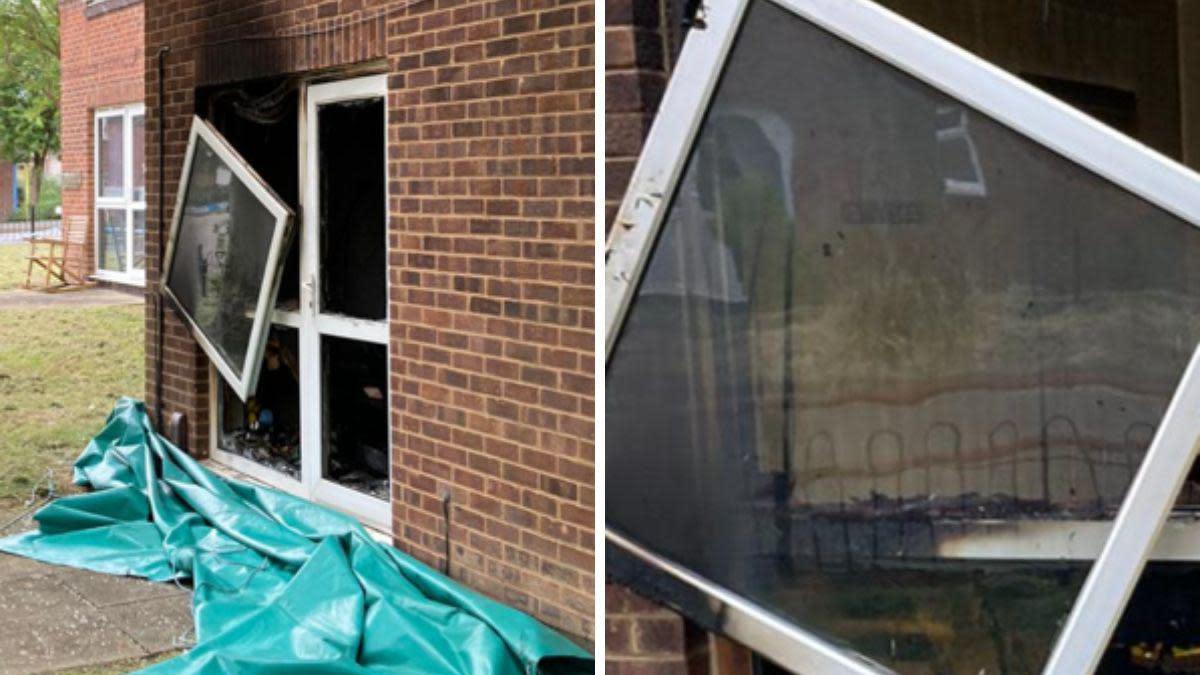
x=354, y=414
x=139, y=157
x=111, y=239
x=139, y=240
x=266, y=428
x=874, y=318
x=353, y=202
x=111, y=160
x=220, y=255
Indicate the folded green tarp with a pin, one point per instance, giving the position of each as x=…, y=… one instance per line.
x=281, y=585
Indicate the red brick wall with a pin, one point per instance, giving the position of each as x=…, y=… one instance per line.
x=637, y=64
x=491, y=263
x=101, y=58
x=642, y=638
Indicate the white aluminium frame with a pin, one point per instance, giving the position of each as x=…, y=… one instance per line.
x=244, y=383
x=376, y=512
x=127, y=203
x=1015, y=104
x=310, y=324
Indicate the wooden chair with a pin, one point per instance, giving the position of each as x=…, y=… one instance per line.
x=52, y=255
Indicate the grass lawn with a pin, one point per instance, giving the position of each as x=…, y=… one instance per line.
x=61, y=371
x=12, y=265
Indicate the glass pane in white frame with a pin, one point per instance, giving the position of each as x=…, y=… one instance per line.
x=968, y=83
x=112, y=228
x=110, y=156
x=137, y=162
x=224, y=255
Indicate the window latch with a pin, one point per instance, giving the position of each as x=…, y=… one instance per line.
x=310, y=290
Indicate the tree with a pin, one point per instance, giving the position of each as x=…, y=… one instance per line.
x=29, y=94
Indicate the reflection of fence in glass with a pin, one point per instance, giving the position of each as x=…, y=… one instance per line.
x=18, y=231
x=1053, y=472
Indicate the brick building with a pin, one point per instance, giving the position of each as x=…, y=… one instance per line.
x=454, y=405
x=1131, y=65
x=102, y=84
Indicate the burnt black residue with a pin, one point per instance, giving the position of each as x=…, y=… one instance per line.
x=354, y=415
x=260, y=119
x=353, y=208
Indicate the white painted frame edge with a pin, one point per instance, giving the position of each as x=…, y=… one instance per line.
x=375, y=512
x=126, y=202
x=663, y=157
x=958, y=73
x=1135, y=530
x=778, y=639
x=264, y=307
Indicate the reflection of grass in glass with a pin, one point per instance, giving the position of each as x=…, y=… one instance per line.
x=940, y=619
x=910, y=327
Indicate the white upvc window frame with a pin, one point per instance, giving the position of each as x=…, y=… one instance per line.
x=1131, y=538
x=126, y=202
x=244, y=384
x=311, y=323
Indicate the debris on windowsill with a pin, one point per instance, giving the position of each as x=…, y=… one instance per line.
x=361, y=481
x=282, y=455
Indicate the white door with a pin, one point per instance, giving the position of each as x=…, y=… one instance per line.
x=345, y=437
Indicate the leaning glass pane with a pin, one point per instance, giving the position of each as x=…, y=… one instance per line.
x=225, y=248
x=111, y=239
x=876, y=323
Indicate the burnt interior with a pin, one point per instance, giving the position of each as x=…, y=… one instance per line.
x=261, y=119
x=352, y=183
x=355, y=414
x=266, y=427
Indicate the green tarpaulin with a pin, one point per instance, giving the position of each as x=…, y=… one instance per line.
x=281, y=585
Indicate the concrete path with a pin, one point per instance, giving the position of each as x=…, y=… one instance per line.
x=56, y=618
x=86, y=297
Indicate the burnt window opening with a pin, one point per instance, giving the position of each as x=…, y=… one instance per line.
x=327, y=325
x=353, y=203
x=266, y=427
x=355, y=415
x=260, y=119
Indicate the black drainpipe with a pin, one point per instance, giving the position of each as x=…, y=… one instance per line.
x=162, y=243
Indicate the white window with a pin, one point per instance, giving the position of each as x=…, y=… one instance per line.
x=120, y=178
x=309, y=412
x=867, y=297
x=223, y=256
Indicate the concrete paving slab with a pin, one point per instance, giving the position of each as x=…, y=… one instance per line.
x=16, y=567
x=54, y=618
x=158, y=625
x=44, y=625
x=103, y=590
x=87, y=297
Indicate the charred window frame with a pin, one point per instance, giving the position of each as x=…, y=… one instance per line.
x=1013, y=104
